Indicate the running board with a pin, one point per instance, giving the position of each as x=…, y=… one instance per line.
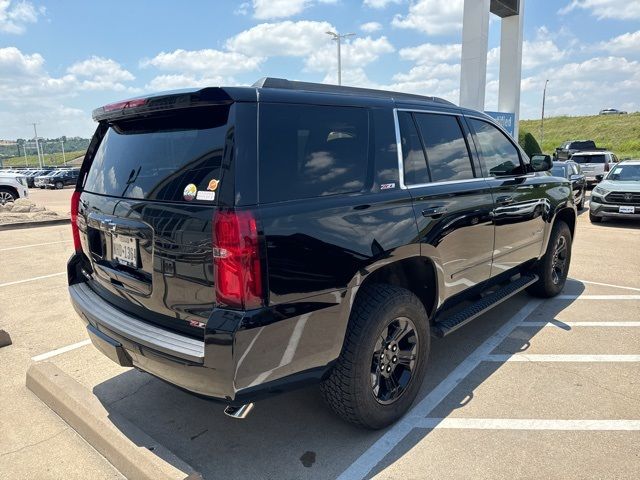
x=450, y=324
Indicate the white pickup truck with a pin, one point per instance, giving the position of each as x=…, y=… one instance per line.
x=594, y=163
x=12, y=187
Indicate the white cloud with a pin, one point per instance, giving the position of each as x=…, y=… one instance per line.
x=627, y=43
x=14, y=16
x=434, y=17
x=287, y=38
x=176, y=81
x=97, y=73
x=207, y=61
x=429, y=53
x=267, y=9
x=371, y=27
x=379, y=3
x=616, y=9
x=356, y=54
x=584, y=87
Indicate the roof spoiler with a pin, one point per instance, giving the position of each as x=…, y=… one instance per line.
x=284, y=84
x=177, y=99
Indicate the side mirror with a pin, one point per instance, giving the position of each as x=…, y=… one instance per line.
x=599, y=177
x=541, y=163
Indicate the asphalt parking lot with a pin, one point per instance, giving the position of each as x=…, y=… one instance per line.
x=533, y=389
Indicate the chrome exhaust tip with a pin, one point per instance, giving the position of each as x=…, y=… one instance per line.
x=238, y=412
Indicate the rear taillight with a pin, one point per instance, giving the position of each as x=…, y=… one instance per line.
x=236, y=258
x=75, y=206
x=136, y=102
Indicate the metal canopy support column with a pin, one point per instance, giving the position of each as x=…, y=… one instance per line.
x=511, y=65
x=475, y=43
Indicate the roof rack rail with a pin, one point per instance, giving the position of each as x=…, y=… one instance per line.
x=283, y=83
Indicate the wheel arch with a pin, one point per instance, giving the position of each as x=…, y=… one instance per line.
x=11, y=189
x=566, y=214
x=417, y=274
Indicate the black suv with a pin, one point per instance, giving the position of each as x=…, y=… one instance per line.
x=243, y=241
x=60, y=178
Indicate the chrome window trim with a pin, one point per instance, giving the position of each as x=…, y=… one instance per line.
x=399, y=150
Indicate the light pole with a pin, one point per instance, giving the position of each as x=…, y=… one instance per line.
x=337, y=37
x=35, y=132
x=64, y=159
x=24, y=150
x=544, y=99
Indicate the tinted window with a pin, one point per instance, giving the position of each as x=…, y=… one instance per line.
x=558, y=171
x=311, y=151
x=157, y=157
x=588, y=158
x=499, y=155
x=447, y=154
x=415, y=165
x=582, y=145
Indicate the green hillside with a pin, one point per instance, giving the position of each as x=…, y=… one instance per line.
x=49, y=159
x=619, y=133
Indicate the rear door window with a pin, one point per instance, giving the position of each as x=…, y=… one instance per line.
x=161, y=157
x=311, y=151
x=500, y=157
x=447, y=154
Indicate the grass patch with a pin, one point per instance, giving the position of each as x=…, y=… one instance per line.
x=618, y=133
x=49, y=159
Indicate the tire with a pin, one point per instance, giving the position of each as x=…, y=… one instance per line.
x=553, y=275
x=59, y=185
x=7, y=195
x=594, y=219
x=378, y=310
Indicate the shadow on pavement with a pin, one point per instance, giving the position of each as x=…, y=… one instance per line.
x=293, y=435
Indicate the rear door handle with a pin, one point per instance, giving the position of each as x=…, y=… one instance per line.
x=504, y=200
x=434, y=211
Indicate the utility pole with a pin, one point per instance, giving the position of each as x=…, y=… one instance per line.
x=337, y=37
x=544, y=98
x=24, y=150
x=64, y=159
x=35, y=132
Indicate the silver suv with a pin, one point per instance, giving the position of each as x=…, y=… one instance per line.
x=618, y=195
x=594, y=163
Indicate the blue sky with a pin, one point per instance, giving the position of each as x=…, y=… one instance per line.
x=59, y=60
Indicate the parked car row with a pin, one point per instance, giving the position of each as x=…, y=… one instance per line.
x=57, y=179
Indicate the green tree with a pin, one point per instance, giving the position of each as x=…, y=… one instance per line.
x=529, y=143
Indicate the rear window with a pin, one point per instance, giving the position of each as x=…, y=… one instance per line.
x=588, y=158
x=161, y=157
x=582, y=145
x=311, y=151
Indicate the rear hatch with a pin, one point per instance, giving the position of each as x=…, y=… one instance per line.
x=148, y=199
x=591, y=165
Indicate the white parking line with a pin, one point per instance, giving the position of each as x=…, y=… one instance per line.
x=58, y=351
x=606, y=284
x=33, y=245
x=543, y=357
x=596, y=297
x=528, y=424
x=374, y=454
x=32, y=279
x=559, y=324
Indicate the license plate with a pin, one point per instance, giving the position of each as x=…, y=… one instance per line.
x=626, y=209
x=125, y=250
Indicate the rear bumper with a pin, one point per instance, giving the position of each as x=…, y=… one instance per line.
x=243, y=356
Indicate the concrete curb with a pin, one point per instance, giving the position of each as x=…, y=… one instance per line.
x=44, y=223
x=135, y=454
x=5, y=339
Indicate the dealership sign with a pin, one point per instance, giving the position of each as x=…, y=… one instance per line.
x=505, y=119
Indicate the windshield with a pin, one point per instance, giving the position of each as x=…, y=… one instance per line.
x=558, y=171
x=625, y=173
x=588, y=158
